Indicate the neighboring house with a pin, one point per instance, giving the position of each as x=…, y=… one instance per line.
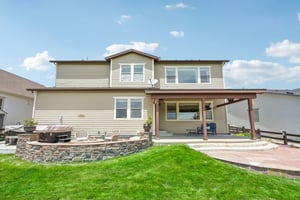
x=120, y=92
x=16, y=103
x=275, y=110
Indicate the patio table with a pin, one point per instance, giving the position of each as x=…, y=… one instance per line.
x=191, y=131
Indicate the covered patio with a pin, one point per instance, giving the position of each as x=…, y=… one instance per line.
x=229, y=96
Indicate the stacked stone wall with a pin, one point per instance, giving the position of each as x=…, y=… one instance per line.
x=76, y=151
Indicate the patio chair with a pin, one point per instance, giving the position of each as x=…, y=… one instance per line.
x=115, y=138
x=199, y=130
x=81, y=135
x=213, y=128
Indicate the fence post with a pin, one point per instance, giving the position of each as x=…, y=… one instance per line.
x=258, y=133
x=243, y=129
x=229, y=129
x=284, y=138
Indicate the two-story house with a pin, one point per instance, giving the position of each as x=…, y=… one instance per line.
x=120, y=92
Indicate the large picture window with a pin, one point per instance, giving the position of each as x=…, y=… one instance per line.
x=132, y=72
x=194, y=75
x=189, y=111
x=184, y=111
x=128, y=108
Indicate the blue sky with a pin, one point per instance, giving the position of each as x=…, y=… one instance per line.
x=259, y=37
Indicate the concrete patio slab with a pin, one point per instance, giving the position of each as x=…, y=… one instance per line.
x=283, y=161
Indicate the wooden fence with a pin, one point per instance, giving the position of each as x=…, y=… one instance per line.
x=281, y=136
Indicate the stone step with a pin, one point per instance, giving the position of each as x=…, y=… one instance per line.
x=233, y=146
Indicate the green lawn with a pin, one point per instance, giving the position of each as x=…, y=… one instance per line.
x=164, y=172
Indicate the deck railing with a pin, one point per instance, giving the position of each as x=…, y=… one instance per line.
x=281, y=136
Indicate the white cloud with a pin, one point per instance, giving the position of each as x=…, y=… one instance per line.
x=177, y=34
x=50, y=76
x=285, y=49
x=299, y=17
x=244, y=73
x=39, y=62
x=141, y=46
x=176, y=6
x=123, y=19
x=9, y=69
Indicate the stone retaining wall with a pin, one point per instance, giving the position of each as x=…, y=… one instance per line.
x=76, y=151
x=21, y=147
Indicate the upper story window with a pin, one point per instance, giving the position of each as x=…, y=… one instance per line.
x=128, y=108
x=132, y=72
x=188, y=75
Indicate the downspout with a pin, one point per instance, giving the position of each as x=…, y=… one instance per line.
x=152, y=76
x=34, y=103
x=110, y=73
x=153, y=105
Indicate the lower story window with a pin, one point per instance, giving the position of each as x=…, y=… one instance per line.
x=209, y=111
x=128, y=108
x=187, y=111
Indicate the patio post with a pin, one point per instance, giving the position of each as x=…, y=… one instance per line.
x=251, y=118
x=156, y=102
x=204, y=128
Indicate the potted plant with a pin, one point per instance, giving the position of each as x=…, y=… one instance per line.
x=148, y=124
x=30, y=125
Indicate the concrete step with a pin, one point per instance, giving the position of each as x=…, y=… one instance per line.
x=7, y=149
x=164, y=133
x=233, y=146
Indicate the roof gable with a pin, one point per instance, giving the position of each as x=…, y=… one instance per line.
x=108, y=58
x=13, y=84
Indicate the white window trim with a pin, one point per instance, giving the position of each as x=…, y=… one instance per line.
x=132, y=72
x=212, y=108
x=177, y=111
x=198, y=74
x=128, y=107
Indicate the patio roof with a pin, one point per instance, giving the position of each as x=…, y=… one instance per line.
x=204, y=93
x=232, y=96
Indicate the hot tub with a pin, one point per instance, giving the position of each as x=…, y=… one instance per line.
x=54, y=133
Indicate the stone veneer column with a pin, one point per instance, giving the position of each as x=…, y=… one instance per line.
x=22, y=142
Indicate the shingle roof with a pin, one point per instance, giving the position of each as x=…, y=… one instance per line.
x=13, y=84
x=131, y=51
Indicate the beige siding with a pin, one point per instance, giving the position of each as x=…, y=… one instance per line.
x=82, y=75
x=91, y=111
x=130, y=59
x=216, y=77
x=179, y=127
x=277, y=112
x=17, y=108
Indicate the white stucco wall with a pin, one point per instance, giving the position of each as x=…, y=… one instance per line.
x=18, y=108
x=277, y=112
